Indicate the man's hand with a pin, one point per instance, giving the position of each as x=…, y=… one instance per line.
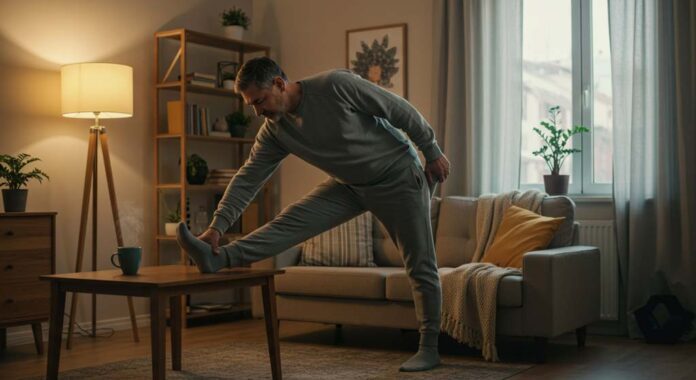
x=437, y=170
x=212, y=237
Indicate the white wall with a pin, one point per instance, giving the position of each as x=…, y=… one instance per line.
x=36, y=38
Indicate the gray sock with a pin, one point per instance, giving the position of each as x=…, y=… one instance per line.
x=199, y=251
x=426, y=358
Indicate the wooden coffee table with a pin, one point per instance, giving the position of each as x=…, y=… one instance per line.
x=162, y=284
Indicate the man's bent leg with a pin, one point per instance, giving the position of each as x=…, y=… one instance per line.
x=327, y=206
x=404, y=208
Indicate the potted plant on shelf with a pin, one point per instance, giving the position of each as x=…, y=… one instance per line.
x=11, y=175
x=234, y=23
x=554, y=151
x=228, y=80
x=196, y=170
x=172, y=220
x=237, y=123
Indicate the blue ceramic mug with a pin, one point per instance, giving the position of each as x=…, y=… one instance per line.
x=129, y=259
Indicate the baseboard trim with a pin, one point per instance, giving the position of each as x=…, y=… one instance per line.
x=22, y=334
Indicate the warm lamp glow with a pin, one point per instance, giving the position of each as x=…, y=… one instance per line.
x=91, y=88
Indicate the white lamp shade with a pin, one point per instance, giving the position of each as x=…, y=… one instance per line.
x=87, y=88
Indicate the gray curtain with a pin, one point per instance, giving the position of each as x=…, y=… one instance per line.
x=477, y=100
x=653, y=46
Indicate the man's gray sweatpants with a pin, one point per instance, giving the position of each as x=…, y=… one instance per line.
x=400, y=200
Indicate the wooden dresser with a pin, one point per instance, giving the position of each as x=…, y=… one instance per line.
x=27, y=250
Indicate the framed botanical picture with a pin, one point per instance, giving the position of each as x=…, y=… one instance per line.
x=378, y=54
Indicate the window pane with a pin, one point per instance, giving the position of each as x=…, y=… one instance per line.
x=602, y=107
x=547, y=78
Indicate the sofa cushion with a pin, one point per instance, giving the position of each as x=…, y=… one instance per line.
x=349, y=244
x=509, y=288
x=385, y=251
x=520, y=231
x=455, y=241
x=341, y=282
x=560, y=206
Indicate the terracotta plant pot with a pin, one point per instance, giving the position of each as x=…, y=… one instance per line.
x=14, y=200
x=556, y=184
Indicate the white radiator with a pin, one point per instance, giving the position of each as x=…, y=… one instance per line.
x=600, y=233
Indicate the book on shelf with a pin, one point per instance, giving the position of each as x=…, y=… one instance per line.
x=202, y=76
x=209, y=306
x=197, y=120
x=201, y=83
x=175, y=122
x=219, y=134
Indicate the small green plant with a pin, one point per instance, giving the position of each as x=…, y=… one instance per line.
x=234, y=16
x=237, y=118
x=174, y=216
x=554, y=151
x=11, y=173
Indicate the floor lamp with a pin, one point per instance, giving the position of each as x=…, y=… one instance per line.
x=96, y=91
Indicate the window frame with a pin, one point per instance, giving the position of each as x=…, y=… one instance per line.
x=583, y=103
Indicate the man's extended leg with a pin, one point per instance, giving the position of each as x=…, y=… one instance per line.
x=327, y=206
x=402, y=203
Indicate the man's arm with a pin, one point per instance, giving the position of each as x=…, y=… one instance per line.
x=369, y=98
x=266, y=154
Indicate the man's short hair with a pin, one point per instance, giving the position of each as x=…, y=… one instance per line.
x=259, y=71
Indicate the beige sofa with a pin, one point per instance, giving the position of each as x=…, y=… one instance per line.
x=557, y=293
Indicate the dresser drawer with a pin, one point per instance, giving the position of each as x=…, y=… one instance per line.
x=24, y=300
x=23, y=233
x=24, y=266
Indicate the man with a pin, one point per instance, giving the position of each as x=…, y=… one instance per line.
x=345, y=126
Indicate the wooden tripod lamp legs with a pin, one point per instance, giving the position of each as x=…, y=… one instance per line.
x=90, y=179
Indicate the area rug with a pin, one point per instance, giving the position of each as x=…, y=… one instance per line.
x=249, y=360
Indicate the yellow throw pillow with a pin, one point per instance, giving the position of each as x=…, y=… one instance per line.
x=520, y=231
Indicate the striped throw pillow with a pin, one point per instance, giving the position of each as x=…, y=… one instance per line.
x=348, y=245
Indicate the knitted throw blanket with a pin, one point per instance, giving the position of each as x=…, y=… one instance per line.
x=469, y=292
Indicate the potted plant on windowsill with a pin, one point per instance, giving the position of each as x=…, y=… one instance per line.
x=172, y=220
x=11, y=175
x=554, y=151
x=237, y=123
x=234, y=22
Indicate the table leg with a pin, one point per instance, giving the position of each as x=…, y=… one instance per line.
x=3, y=339
x=175, y=318
x=269, y=311
x=55, y=331
x=38, y=337
x=157, y=334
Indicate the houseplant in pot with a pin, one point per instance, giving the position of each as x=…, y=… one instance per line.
x=172, y=220
x=234, y=23
x=228, y=80
x=237, y=123
x=13, y=175
x=196, y=170
x=554, y=151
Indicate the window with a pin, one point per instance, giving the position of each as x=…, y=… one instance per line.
x=566, y=62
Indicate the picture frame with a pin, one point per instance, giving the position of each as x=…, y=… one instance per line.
x=379, y=54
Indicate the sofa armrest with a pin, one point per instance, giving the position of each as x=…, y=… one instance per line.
x=561, y=289
x=289, y=257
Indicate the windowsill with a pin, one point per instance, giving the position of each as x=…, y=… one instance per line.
x=583, y=198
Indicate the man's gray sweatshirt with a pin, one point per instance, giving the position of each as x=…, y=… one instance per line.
x=343, y=125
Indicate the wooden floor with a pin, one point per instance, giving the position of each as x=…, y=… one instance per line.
x=603, y=358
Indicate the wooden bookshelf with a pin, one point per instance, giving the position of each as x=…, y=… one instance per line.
x=168, y=68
